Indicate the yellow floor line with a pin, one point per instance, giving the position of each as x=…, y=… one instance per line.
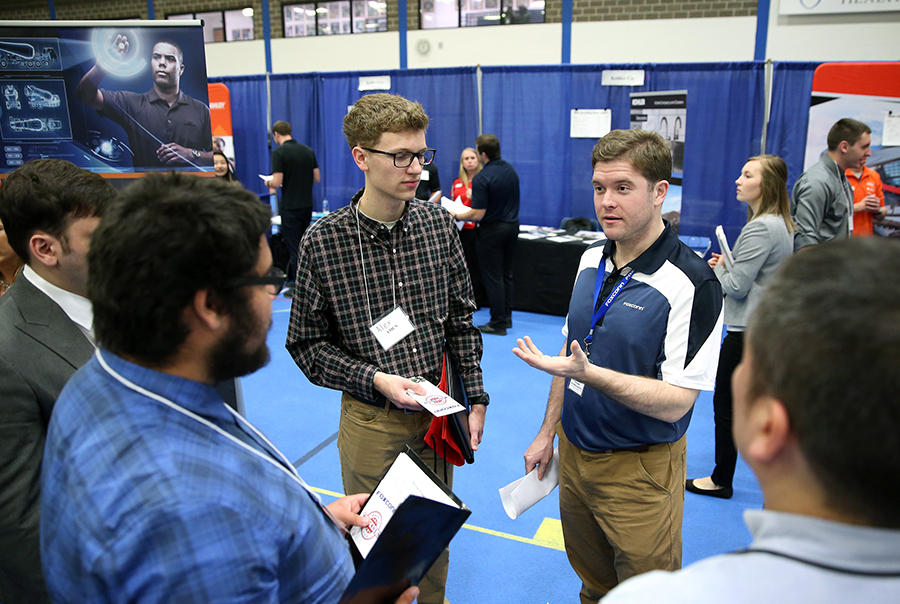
x=548, y=535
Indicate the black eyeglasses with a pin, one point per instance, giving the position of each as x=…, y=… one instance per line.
x=273, y=280
x=404, y=159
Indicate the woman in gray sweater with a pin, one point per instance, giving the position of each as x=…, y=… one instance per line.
x=765, y=241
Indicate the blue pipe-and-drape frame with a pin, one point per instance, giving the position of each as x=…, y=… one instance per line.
x=315, y=105
x=528, y=108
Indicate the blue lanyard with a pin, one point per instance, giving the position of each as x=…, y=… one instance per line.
x=601, y=311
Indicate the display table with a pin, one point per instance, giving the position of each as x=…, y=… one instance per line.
x=544, y=274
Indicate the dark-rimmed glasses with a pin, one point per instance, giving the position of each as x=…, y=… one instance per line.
x=404, y=159
x=273, y=280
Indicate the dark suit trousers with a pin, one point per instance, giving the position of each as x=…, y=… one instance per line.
x=294, y=223
x=469, y=239
x=723, y=408
x=496, y=246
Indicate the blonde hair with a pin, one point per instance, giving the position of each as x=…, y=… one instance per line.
x=773, y=190
x=463, y=175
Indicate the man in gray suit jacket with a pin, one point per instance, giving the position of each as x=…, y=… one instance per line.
x=50, y=208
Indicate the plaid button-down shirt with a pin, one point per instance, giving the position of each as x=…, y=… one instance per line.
x=352, y=271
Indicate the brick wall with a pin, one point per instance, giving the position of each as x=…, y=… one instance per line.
x=582, y=10
x=35, y=10
x=97, y=9
x=629, y=10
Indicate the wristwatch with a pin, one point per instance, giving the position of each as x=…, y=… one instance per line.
x=195, y=153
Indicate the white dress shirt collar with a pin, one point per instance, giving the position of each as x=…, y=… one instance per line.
x=78, y=308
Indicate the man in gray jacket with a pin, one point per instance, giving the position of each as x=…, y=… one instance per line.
x=822, y=201
x=50, y=209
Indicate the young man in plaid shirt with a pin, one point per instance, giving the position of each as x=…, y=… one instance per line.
x=382, y=290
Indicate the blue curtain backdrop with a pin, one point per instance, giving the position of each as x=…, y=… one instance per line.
x=449, y=97
x=315, y=104
x=528, y=109
x=295, y=99
x=789, y=114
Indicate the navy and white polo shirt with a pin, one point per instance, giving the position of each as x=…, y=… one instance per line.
x=666, y=323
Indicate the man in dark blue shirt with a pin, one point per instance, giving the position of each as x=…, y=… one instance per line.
x=495, y=206
x=165, y=126
x=642, y=339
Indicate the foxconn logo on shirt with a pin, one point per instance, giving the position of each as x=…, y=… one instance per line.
x=634, y=306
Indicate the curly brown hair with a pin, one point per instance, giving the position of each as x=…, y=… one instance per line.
x=374, y=114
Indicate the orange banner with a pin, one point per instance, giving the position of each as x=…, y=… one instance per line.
x=220, y=117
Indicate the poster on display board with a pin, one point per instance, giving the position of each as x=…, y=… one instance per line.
x=868, y=92
x=112, y=97
x=666, y=114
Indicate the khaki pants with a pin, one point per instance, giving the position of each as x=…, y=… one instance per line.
x=621, y=512
x=369, y=440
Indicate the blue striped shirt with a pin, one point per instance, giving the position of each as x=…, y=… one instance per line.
x=145, y=503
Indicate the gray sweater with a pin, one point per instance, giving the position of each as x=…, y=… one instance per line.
x=821, y=204
x=762, y=245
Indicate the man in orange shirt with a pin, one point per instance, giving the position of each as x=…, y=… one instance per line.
x=868, y=199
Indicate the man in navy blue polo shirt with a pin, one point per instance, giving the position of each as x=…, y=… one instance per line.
x=642, y=340
x=495, y=206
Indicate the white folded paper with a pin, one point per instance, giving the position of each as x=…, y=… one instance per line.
x=727, y=257
x=435, y=401
x=454, y=206
x=518, y=496
x=403, y=478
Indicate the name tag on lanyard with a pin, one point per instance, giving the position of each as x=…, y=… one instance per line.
x=392, y=328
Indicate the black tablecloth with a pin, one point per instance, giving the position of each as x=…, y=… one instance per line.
x=544, y=274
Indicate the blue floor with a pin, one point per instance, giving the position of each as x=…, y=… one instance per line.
x=492, y=559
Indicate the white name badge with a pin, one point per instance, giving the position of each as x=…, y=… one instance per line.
x=576, y=387
x=425, y=175
x=392, y=328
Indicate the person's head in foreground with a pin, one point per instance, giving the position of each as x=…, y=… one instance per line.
x=816, y=416
x=815, y=402
x=179, y=263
